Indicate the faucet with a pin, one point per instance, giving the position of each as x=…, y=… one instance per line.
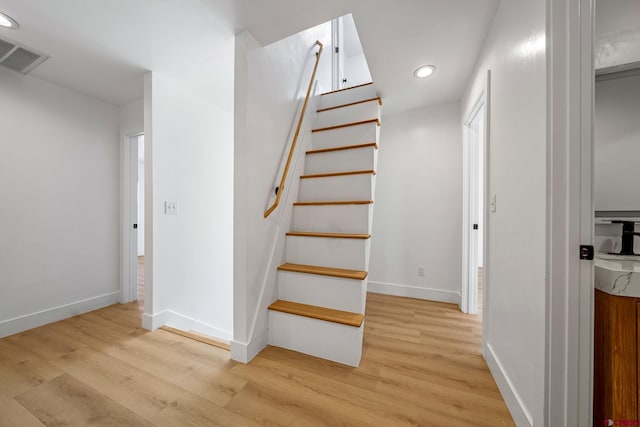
x=628, y=233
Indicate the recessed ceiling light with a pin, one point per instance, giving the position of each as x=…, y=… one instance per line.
x=424, y=71
x=8, y=22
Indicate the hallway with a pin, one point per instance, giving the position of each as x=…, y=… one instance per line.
x=421, y=366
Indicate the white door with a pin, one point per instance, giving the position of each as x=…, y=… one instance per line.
x=476, y=129
x=140, y=193
x=337, y=57
x=473, y=207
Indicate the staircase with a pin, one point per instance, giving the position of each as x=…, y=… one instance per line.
x=322, y=287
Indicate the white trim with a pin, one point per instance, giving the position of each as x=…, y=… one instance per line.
x=184, y=323
x=514, y=402
x=244, y=352
x=39, y=318
x=486, y=188
x=568, y=380
x=414, y=292
x=464, y=299
x=128, y=263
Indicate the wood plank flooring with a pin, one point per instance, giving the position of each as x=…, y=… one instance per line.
x=421, y=366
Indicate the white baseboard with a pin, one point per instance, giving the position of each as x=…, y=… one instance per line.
x=414, y=292
x=184, y=323
x=244, y=352
x=43, y=317
x=514, y=402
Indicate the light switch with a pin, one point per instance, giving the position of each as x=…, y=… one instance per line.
x=171, y=208
x=492, y=203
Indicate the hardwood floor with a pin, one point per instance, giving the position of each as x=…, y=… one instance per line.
x=421, y=366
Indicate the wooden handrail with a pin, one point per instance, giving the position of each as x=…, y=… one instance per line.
x=295, y=136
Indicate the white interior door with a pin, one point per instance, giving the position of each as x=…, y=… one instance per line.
x=337, y=61
x=129, y=226
x=475, y=135
x=140, y=194
x=473, y=207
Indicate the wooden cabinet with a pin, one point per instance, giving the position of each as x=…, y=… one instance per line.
x=616, y=358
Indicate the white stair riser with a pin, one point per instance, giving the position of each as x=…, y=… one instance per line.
x=352, y=113
x=346, y=96
x=328, y=252
x=349, y=135
x=338, y=188
x=341, y=161
x=333, y=219
x=331, y=341
x=322, y=291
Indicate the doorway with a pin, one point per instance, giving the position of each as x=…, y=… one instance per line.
x=473, y=205
x=348, y=61
x=133, y=220
x=139, y=214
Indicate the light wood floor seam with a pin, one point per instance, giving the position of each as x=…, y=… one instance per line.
x=198, y=337
x=421, y=366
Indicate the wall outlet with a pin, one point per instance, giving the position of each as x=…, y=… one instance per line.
x=171, y=208
x=492, y=203
x=420, y=271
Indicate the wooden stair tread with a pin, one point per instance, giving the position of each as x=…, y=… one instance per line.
x=377, y=98
x=346, y=88
x=331, y=235
x=343, y=147
x=321, y=313
x=324, y=271
x=331, y=174
x=362, y=122
x=335, y=202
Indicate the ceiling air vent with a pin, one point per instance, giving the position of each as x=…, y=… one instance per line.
x=18, y=57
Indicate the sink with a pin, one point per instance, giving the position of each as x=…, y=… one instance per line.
x=618, y=275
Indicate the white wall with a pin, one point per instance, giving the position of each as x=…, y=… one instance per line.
x=189, y=160
x=617, y=31
x=59, y=186
x=617, y=144
x=132, y=116
x=418, y=205
x=356, y=68
x=271, y=82
x=515, y=306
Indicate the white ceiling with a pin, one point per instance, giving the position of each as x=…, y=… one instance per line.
x=617, y=32
x=102, y=48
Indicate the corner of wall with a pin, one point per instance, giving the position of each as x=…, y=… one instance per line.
x=245, y=351
x=514, y=402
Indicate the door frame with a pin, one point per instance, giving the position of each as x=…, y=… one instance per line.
x=568, y=377
x=128, y=213
x=470, y=243
x=337, y=54
x=469, y=296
